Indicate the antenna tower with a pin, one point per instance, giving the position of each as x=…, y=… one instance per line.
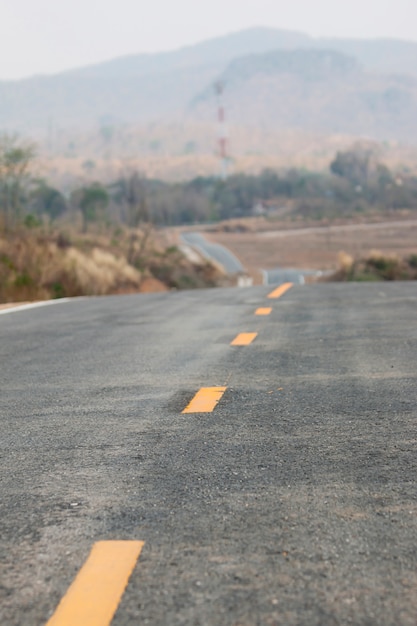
x=222, y=136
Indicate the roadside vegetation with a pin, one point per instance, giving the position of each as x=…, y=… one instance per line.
x=42, y=264
x=54, y=246
x=99, y=238
x=375, y=267
x=355, y=183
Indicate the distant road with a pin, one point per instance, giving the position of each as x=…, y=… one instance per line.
x=335, y=228
x=288, y=499
x=214, y=252
x=279, y=275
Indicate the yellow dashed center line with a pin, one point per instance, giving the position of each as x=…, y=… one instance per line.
x=279, y=291
x=244, y=339
x=263, y=311
x=94, y=596
x=205, y=400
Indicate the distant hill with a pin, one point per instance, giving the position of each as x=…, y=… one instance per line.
x=215, y=52
x=317, y=91
x=386, y=56
x=133, y=89
x=307, y=65
x=274, y=77
x=80, y=100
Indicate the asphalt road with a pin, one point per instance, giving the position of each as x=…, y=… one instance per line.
x=292, y=503
x=337, y=228
x=214, y=252
x=280, y=275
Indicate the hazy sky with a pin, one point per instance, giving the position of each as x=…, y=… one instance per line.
x=44, y=36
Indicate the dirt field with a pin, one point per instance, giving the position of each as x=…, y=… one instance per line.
x=316, y=247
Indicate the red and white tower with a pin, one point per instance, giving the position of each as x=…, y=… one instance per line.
x=222, y=130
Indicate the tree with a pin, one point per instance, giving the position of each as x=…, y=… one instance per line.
x=91, y=201
x=16, y=157
x=46, y=199
x=355, y=165
x=136, y=200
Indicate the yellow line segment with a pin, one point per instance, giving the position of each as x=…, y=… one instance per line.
x=263, y=311
x=205, y=400
x=244, y=339
x=279, y=291
x=94, y=596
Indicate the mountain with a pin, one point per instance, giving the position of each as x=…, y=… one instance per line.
x=317, y=91
x=385, y=56
x=307, y=65
x=132, y=89
x=273, y=77
x=215, y=52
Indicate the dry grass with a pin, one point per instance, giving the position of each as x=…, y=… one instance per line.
x=345, y=261
x=252, y=149
x=39, y=266
x=375, y=267
x=267, y=245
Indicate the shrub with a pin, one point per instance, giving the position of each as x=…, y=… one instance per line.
x=412, y=260
x=375, y=267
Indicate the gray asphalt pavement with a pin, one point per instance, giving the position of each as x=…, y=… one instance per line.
x=292, y=503
x=214, y=252
x=279, y=276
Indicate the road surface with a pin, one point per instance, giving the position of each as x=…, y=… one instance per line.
x=336, y=228
x=280, y=275
x=291, y=502
x=214, y=252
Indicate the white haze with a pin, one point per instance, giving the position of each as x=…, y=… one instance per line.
x=46, y=36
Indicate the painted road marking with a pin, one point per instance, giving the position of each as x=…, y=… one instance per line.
x=263, y=311
x=205, y=400
x=279, y=291
x=244, y=339
x=33, y=305
x=94, y=596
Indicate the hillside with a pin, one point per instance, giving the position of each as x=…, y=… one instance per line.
x=211, y=53
x=148, y=87
x=291, y=100
x=134, y=89
x=317, y=91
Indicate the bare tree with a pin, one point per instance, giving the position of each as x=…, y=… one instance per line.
x=134, y=192
x=133, y=195
x=92, y=201
x=16, y=157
